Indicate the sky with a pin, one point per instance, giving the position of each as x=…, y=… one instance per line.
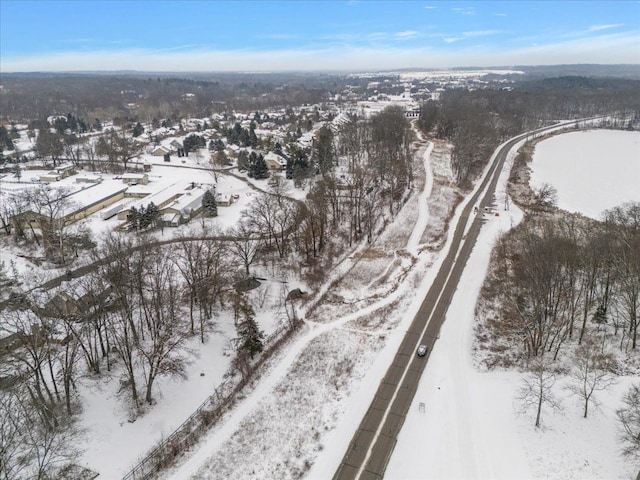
x=321, y=35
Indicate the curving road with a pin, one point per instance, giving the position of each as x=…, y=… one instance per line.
x=373, y=443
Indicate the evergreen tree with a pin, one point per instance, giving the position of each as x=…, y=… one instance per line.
x=253, y=158
x=6, y=143
x=261, y=168
x=209, y=206
x=138, y=130
x=251, y=337
x=298, y=167
x=244, y=140
x=289, y=171
x=258, y=168
x=221, y=158
x=324, y=152
x=600, y=315
x=193, y=142
x=134, y=218
x=243, y=159
x=150, y=216
x=253, y=138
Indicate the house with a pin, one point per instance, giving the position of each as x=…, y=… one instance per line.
x=65, y=170
x=88, y=179
x=62, y=304
x=135, y=178
x=223, y=200
x=177, y=147
x=275, y=161
x=183, y=208
x=160, y=199
x=88, y=200
x=161, y=151
x=50, y=177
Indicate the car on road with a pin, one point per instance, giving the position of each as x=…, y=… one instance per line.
x=422, y=350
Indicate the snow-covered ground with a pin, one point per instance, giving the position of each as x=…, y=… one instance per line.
x=110, y=442
x=297, y=420
x=112, y=438
x=470, y=427
x=592, y=170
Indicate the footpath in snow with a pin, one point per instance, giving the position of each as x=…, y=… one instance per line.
x=266, y=387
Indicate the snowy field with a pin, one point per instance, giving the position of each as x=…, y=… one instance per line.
x=592, y=170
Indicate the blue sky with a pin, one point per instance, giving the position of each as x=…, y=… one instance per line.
x=49, y=35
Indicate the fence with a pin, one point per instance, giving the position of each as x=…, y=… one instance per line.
x=205, y=416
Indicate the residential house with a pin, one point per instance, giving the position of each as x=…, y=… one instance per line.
x=135, y=178
x=161, y=151
x=223, y=199
x=183, y=208
x=275, y=161
x=50, y=177
x=65, y=170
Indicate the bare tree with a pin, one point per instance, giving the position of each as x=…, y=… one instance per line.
x=32, y=359
x=262, y=217
x=629, y=422
x=13, y=458
x=624, y=221
x=30, y=448
x=537, y=296
x=159, y=306
x=536, y=388
x=546, y=196
x=118, y=147
x=591, y=371
x=50, y=145
x=118, y=268
x=244, y=244
x=54, y=209
x=389, y=154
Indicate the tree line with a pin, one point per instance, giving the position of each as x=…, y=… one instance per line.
x=563, y=279
x=475, y=122
x=563, y=295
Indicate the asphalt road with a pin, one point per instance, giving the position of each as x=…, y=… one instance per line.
x=372, y=445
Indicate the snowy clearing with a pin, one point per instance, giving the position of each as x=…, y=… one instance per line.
x=592, y=170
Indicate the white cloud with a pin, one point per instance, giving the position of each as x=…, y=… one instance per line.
x=606, y=49
x=464, y=11
x=499, y=14
x=430, y=7
x=407, y=34
x=597, y=28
